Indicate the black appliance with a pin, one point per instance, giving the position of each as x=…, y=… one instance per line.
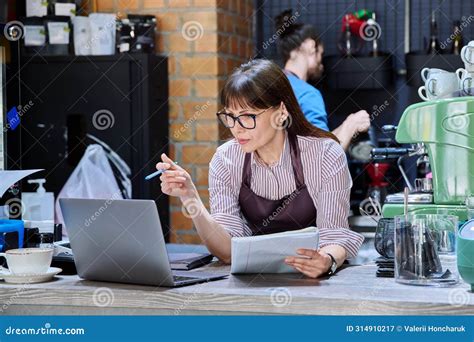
x=65, y=92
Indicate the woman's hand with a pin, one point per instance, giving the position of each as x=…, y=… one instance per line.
x=312, y=264
x=176, y=181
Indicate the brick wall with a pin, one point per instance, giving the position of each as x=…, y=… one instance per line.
x=204, y=40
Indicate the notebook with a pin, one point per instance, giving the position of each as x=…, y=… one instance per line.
x=189, y=261
x=266, y=253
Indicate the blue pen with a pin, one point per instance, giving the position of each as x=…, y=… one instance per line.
x=156, y=173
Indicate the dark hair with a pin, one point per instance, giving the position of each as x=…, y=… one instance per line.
x=261, y=84
x=291, y=34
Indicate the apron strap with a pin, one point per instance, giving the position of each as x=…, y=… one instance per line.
x=247, y=171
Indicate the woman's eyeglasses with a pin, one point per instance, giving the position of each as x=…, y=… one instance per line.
x=247, y=121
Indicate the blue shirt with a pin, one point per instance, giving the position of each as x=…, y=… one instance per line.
x=311, y=102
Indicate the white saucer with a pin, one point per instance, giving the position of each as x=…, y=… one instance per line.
x=8, y=277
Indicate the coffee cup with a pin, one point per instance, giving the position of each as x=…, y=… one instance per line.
x=467, y=56
x=427, y=73
x=28, y=260
x=426, y=96
x=466, y=83
x=439, y=84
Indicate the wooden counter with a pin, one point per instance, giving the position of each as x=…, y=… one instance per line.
x=354, y=290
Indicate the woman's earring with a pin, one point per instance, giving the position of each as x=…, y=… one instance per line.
x=282, y=119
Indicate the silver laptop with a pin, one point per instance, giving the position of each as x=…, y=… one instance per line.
x=122, y=241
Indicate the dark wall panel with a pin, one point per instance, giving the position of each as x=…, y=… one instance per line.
x=326, y=16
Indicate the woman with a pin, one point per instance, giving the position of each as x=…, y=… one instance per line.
x=276, y=155
x=302, y=51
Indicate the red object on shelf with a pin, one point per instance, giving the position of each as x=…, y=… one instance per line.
x=377, y=172
x=354, y=24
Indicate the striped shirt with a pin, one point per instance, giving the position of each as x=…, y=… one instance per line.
x=326, y=176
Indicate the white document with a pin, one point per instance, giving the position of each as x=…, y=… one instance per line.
x=10, y=177
x=267, y=253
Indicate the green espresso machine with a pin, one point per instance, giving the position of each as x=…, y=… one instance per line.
x=445, y=130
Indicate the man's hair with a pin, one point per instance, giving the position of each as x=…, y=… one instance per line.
x=291, y=34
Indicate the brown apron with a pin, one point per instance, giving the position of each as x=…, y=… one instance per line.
x=292, y=212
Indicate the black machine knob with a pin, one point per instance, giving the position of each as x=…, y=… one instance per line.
x=383, y=153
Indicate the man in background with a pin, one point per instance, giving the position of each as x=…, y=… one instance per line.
x=302, y=51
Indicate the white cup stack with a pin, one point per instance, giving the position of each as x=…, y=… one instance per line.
x=442, y=84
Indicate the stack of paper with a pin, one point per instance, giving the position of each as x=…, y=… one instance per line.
x=266, y=253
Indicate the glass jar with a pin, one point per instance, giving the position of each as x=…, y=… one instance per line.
x=425, y=249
